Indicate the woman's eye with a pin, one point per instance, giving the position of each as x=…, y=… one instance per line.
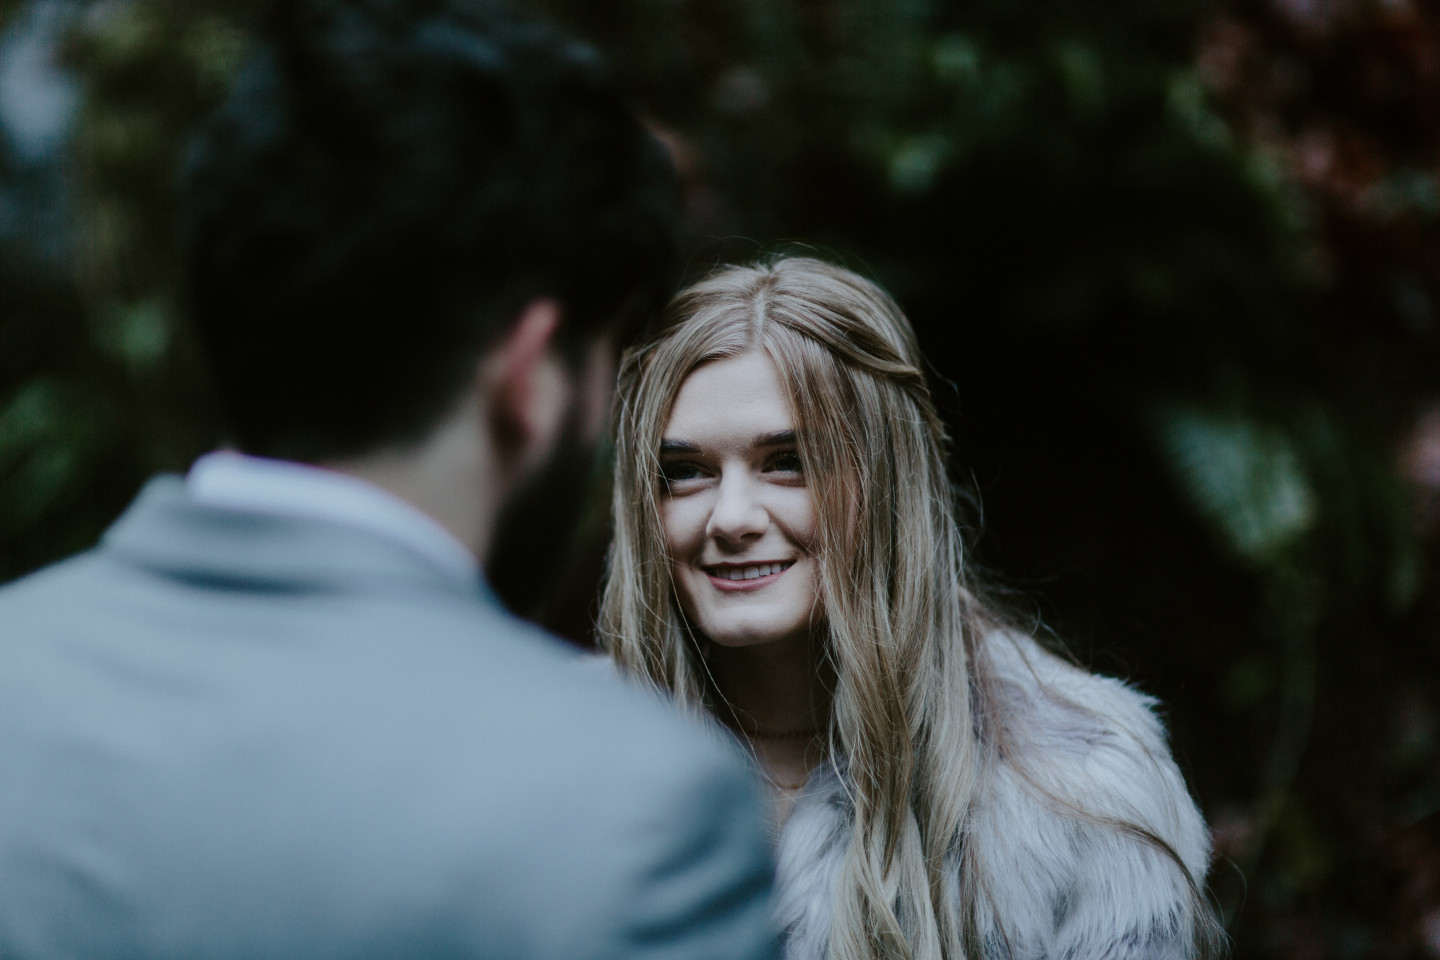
x=788, y=462
x=679, y=471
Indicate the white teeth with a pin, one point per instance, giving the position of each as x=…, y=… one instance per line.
x=751, y=573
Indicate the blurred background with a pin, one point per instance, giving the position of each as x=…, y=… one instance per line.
x=1174, y=263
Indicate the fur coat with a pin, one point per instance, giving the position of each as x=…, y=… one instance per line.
x=1059, y=888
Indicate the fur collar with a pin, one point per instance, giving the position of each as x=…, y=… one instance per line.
x=1058, y=887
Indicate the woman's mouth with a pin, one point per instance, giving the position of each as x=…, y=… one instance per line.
x=747, y=576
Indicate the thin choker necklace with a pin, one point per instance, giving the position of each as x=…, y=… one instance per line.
x=760, y=734
x=755, y=731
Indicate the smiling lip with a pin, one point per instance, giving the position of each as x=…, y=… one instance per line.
x=746, y=576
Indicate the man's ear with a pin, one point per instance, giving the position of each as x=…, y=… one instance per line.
x=527, y=390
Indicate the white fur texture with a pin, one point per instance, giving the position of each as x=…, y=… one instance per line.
x=1059, y=887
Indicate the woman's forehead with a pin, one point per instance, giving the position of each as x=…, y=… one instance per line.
x=731, y=398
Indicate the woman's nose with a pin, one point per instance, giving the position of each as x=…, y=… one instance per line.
x=738, y=513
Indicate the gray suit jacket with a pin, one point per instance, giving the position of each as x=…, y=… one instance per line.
x=230, y=734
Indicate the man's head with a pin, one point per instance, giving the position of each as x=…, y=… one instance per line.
x=389, y=187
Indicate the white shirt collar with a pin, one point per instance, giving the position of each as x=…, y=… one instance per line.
x=238, y=481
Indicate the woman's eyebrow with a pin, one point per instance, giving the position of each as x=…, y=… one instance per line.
x=780, y=438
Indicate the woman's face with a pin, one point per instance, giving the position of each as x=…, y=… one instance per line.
x=736, y=511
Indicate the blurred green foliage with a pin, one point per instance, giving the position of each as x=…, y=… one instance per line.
x=1173, y=262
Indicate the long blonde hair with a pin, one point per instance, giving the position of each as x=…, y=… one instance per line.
x=911, y=722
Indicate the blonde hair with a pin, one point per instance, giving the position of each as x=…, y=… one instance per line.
x=911, y=721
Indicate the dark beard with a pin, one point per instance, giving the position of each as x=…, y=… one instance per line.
x=535, y=533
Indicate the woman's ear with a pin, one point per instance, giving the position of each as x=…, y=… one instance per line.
x=526, y=389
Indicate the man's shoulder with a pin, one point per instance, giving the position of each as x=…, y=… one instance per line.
x=463, y=658
x=36, y=600
x=573, y=702
x=496, y=708
x=650, y=725
x=591, y=793
x=461, y=753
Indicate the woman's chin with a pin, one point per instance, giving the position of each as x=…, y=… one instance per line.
x=742, y=638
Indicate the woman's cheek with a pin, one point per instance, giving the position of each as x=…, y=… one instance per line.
x=799, y=515
x=679, y=528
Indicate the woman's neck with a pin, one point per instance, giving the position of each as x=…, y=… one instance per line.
x=782, y=687
x=777, y=697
